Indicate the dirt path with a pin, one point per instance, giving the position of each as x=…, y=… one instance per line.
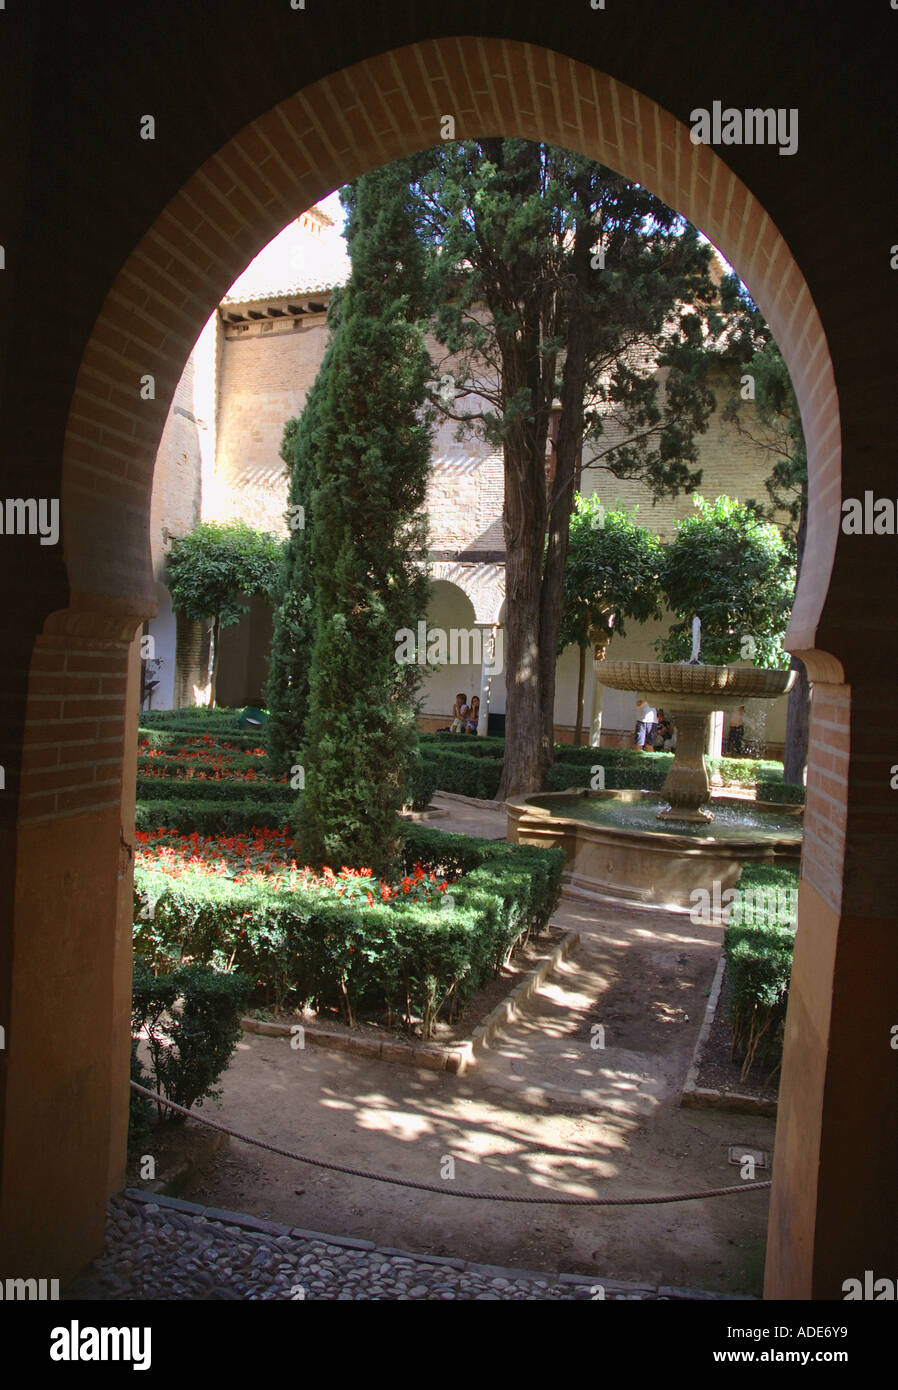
x=543, y=1111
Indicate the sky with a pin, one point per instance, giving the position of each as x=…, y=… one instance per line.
x=293, y=258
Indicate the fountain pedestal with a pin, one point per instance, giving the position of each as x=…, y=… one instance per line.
x=693, y=692
x=686, y=786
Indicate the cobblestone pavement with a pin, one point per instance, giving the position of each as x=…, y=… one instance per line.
x=166, y=1249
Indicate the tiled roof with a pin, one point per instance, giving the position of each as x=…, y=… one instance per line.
x=292, y=291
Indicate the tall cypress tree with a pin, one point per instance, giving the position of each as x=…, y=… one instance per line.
x=370, y=441
x=291, y=647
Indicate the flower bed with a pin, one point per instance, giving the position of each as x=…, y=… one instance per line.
x=409, y=947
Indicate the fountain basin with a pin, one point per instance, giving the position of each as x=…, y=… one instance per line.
x=616, y=848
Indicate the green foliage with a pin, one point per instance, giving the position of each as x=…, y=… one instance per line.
x=140, y=1110
x=367, y=546
x=192, y=719
x=192, y=1045
x=752, y=351
x=408, y=958
x=612, y=573
x=208, y=569
x=470, y=745
x=514, y=225
x=294, y=613
x=463, y=773
x=759, y=964
x=470, y=767
x=645, y=775
x=210, y=816
x=263, y=793
x=791, y=792
x=737, y=572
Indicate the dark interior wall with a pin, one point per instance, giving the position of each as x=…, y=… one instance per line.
x=243, y=659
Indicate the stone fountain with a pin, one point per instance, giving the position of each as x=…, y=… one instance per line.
x=658, y=848
x=693, y=692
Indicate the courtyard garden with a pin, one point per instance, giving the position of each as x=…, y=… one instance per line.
x=287, y=876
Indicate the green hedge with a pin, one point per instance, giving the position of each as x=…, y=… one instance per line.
x=465, y=775
x=648, y=775
x=199, y=789
x=191, y=1046
x=192, y=718
x=422, y=785
x=792, y=792
x=759, y=963
x=407, y=958
x=207, y=817
x=469, y=744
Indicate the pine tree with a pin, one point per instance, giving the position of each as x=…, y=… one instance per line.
x=370, y=446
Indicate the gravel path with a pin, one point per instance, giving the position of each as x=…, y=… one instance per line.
x=167, y=1249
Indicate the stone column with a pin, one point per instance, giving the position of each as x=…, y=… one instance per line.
x=488, y=656
x=600, y=640
x=687, y=787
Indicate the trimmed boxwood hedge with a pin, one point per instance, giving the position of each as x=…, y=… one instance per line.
x=474, y=768
x=470, y=745
x=792, y=792
x=407, y=958
x=208, y=817
x=759, y=964
x=190, y=717
x=199, y=789
x=462, y=774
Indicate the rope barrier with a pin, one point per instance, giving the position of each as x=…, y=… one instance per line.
x=445, y=1191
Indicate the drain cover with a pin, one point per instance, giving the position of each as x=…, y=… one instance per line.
x=737, y=1153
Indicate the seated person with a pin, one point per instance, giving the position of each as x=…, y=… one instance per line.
x=473, y=715
x=459, y=714
x=662, y=731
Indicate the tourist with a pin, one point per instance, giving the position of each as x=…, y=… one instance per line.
x=736, y=733
x=473, y=715
x=459, y=714
x=646, y=719
x=662, y=732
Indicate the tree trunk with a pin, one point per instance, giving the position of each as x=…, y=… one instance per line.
x=568, y=452
x=581, y=681
x=524, y=518
x=795, y=755
x=213, y=660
